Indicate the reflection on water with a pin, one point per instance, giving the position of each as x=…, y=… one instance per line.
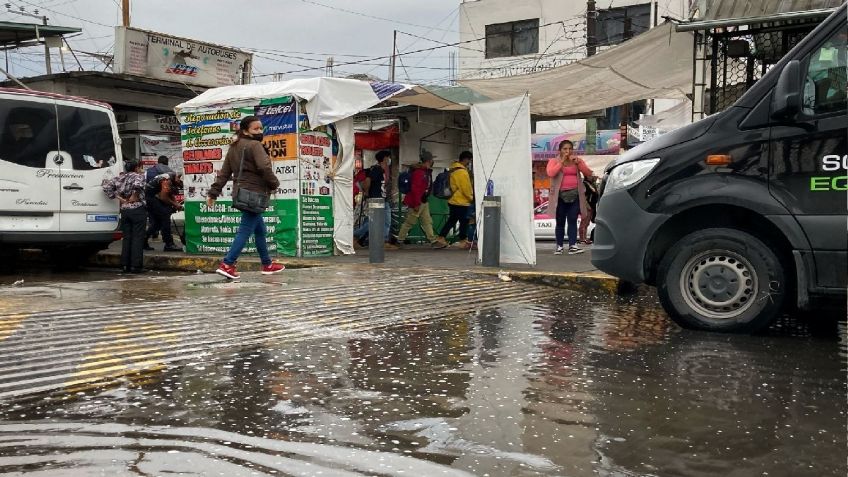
x=572, y=385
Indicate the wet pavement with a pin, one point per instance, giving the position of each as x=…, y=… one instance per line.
x=355, y=371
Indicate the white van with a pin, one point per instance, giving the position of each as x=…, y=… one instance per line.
x=54, y=153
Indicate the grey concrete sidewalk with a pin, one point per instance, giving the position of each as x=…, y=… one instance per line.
x=570, y=271
x=413, y=256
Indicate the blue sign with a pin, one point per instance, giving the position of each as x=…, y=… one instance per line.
x=101, y=218
x=277, y=118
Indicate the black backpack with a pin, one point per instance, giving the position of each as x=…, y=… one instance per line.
x=441, y=185
x=405, y=182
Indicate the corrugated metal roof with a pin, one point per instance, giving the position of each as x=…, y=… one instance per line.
x=13, y=32
x=733, y=9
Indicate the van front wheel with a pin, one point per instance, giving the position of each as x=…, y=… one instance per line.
x=721, y=280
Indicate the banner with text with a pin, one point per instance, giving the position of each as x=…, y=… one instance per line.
x=300, y=218
x=160, y=56
x=318, y=155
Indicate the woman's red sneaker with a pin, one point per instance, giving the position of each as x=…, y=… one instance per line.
x=272, y=268
x=228, y=271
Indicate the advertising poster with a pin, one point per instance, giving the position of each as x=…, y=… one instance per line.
x=279, y=119
x=206, y=136
x=318, y=150
x=608, y=142
x=156, y=55
x=546, y=147
x=153, y=146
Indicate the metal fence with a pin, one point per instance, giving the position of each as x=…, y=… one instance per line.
x=734, y=58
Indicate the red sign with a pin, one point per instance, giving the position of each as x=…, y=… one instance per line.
x=198, y=168
x=213, y=154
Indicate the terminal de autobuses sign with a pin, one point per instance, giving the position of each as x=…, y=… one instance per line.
x=154, y=55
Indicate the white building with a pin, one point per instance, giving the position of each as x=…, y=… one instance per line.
x=508, y=37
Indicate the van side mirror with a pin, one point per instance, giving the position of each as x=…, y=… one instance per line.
x=788, y=95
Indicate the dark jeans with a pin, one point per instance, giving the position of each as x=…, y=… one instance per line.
x=160, y=220
x=566, y=210
x=458, y=213
x=133, y=224
x=251, y=224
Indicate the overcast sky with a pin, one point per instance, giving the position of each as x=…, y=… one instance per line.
x=286, y=35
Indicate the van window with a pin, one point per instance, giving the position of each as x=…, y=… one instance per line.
x=27, y=132
x=86, y=134
x=825, y=82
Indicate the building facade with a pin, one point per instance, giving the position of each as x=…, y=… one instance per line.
x=505, y=38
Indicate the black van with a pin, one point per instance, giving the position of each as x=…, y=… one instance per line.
x=743, y=212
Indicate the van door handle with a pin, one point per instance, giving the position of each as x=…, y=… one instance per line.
x=73, y=187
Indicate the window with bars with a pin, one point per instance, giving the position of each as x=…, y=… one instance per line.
x=512, y=38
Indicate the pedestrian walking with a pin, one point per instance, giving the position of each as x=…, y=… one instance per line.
x=248, y=163
x=128, y=187
x=161, y=167
x=416, y=200
x=161, y=204
x=375, y=188
x=459, y=202
x=567, y=198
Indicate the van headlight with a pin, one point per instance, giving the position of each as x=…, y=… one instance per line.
x=628, y=174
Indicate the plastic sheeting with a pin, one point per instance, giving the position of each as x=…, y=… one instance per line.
x=343, y=190
x=328, y=100
x=500, y=132
x=655, y=64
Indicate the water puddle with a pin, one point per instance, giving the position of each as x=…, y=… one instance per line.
x=570, y=385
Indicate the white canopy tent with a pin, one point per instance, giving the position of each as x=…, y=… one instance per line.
x=336, y=101
x=655, y=64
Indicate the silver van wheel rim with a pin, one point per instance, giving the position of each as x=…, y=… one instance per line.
x=718, y=284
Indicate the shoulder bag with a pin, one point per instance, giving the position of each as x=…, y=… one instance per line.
x=247, y=200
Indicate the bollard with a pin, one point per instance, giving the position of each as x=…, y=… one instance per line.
x=376, y=224
x=492, y=231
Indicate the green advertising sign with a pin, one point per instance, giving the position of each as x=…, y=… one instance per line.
x=300, y=218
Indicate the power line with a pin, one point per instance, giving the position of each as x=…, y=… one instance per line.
x=446, y=45
x=398, y=22
x=67, y=15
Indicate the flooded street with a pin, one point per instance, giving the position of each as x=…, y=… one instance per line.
x=363, y=372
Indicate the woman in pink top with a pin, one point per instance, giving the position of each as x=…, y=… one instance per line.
x=567, y=197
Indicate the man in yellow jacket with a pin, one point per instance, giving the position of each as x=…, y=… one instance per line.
x=459, y=202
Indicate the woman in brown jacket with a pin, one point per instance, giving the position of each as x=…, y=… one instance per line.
x=257, y=176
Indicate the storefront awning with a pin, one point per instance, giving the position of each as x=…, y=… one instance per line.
x=655, y=64
x=445, y=98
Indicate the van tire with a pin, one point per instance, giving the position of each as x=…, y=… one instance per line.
x=723, y=280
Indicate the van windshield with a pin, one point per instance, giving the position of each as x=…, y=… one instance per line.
x=826, y=80
x=27, y=132
x=86, y=134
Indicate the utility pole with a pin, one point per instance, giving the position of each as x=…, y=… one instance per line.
x=591, y=28
x=47, y=62
x=394, y=59
x=48, y=67
x=328, y=71
x=125, y=10
x=591, y=48
x=624, y=109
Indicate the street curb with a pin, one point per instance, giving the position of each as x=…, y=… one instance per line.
x=183, y=263
x=584, y=282
x=591, y=282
